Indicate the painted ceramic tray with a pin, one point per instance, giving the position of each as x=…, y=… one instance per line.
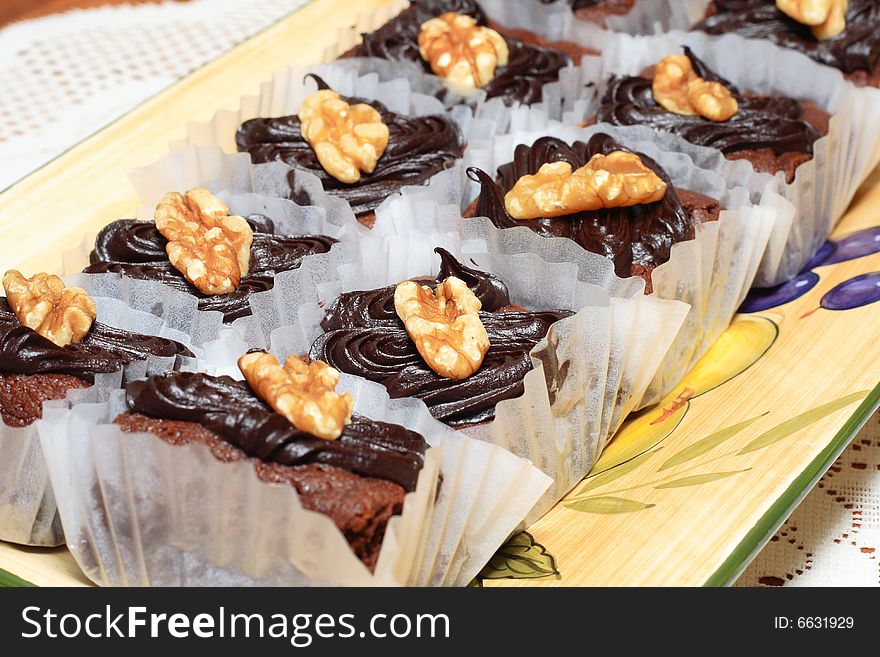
x=687, y=492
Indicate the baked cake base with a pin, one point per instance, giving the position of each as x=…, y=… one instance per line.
x=22, y=395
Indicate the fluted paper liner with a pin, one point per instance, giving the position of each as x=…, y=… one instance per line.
x=590, y=371
x=556, y=20
x=656, y=16
x=28, y=513
x=712, y=273
x=247, y=188
x=823, y=187
x=138, y=511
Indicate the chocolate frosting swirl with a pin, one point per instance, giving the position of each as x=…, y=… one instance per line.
x=104, y=349
x=418, y=148
x=376, y=307
x=635, y=235
x=857, y=48
x=760, y=122
x=365, y=337
x=231, y=410
x=528, y=69
x=137, y=249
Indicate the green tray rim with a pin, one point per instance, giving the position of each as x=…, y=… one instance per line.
x=748, y=548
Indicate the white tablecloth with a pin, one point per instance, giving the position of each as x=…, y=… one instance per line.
x=65, y=76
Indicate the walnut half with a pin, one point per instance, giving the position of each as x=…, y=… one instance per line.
x=43, y=303
x=678, y=88
x=304, y=393
x=445, y=326
x=347, y=139
x=461, y=51
x=210, y=247
x=826, y=18
x=607, y=181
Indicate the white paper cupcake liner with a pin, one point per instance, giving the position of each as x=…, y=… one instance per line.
x=551, y=21
x=557, y=21
x=591, y=370
x=711, y=273
x=28, y=513
x=139, y=512
x=823, y=187
x=654, y=16
x=247, y=188
x=365, y=21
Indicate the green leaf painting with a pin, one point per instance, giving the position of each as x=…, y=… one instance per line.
x=607, y=505
x=695, y=480
x=801, y=421
x=610, y=475
x=709, y=442
x=520, y=558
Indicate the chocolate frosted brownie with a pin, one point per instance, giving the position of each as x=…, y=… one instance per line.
x=34, y=369
x=774, y=133
x=358, y=480
x=137, y=249
x=855, y=51
x=638, y=238
x=532, y=61
x=418, y=148
x=364, y=336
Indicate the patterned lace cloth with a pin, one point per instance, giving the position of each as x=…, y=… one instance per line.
x=65, y=76
x=833, y=537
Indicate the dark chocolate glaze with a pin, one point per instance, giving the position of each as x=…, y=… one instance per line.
x=365, y=337
x=638, y=234
x=231, y=410
x=418, y=148
x=761, y=122
x=137, y=249
x=857, y=48
x=528, y=69
x=104, y=349
x=364, y=309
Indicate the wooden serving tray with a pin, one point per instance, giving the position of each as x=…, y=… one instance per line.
x=687, y=492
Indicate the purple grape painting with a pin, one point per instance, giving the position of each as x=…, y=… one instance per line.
x=855, y=245
x=853, y=293
x=770, y=297
x=858, y=291
x=822, y=255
